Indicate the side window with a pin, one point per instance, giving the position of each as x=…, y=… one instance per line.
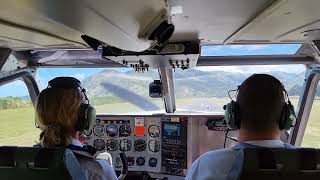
x=17, y=127
x=311, y=136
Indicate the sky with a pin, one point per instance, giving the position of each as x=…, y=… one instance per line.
x=18, y=88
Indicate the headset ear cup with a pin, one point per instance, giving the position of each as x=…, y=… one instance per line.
x=283, y=117
x=287, y=117
x=290, y=118
x=237, y=115
x=231, y=115
x=87, y=113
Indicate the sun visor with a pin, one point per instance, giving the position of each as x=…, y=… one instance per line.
x=134, y=25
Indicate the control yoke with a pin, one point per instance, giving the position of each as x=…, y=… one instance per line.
x=124, y=162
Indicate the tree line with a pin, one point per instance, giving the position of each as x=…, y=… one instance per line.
x=14, y=102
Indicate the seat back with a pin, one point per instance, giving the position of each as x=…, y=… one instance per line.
x=39, y=163
x=280, y=163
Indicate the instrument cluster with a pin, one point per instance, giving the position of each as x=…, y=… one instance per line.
x=138, y=137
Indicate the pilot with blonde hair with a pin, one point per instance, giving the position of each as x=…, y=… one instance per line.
x=62, y=111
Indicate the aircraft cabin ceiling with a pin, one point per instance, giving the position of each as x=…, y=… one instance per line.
x=130, y=24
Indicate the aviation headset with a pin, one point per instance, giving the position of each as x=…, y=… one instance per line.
x=232, y=110
x=87, y=113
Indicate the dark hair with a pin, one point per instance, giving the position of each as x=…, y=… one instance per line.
x=261, y=101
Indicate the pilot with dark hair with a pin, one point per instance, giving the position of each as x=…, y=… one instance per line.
x=261, y=102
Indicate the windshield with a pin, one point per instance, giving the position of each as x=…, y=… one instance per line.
x=250, y=49
x=110, y=90
x=205, y=89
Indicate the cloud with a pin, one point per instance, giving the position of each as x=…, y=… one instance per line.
x=220, y=68
x=255, y=68
x=80, y=76
x=249, y=47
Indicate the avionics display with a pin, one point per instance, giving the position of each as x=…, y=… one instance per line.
x=174, y=146
x=171, y=130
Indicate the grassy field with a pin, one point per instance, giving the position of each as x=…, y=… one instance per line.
x=17, y=125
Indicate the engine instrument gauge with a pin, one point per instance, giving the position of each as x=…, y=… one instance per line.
x=154, y=146
x=112, y=130
x=112, y=145
x=140, y=145
x=125, y=145
x=87, y=132
x=140, y=161
x=98, y=130
x=153, y=162
x=154, y=131
x=99, y=144
x=124, y=130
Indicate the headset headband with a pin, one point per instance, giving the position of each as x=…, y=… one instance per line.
x=67, y=83
x=286, y=96
x=64, y=82
x=262, y=75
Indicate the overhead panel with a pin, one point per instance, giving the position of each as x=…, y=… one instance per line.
x=212, y=21
x=284, y=21
x=124, y=24
x=22, y=26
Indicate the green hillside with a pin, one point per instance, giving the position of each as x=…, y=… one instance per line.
x=188, y=83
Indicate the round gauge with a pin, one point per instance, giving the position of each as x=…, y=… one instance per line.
x=154, y=146
x=83, y=137
x=140, y=145
x=124, y=130
x=98, y=130
x=141, y=161
x=87, y=132
x=112, y=145
x=99, y=144
x=153, y=162
x=112, y=130
x=125, y=145
x=154, y=131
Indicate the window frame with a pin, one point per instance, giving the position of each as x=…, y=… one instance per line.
x=26, y=76
x=305, y=104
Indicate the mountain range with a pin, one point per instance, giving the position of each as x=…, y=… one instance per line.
x=188, y=83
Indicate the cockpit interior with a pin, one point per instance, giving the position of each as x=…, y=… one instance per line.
x=158, y=73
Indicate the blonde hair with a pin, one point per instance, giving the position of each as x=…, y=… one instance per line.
x=56, y=115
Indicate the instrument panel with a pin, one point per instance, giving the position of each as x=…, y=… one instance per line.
x=138, y=137
x=156, y=144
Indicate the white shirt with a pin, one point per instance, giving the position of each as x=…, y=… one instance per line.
x=216, y=165
x=94, y=169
